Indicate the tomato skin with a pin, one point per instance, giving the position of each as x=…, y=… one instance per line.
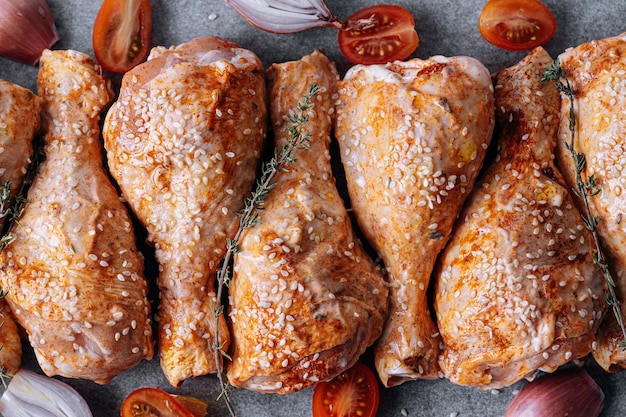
x=516, y=24
x=195, y=406
x=393, y=36
x=353, y=393
x=148, y=402
x=122, y=34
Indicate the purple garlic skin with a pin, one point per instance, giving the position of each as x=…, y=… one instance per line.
x=26, y=29
x=568, y=392
x=285, y=16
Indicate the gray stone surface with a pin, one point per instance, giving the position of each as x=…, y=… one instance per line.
x=445, y=27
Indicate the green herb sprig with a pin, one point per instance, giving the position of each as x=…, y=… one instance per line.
x=248, y=216
x=586, y=188
x=6, y=211
x=12, y=209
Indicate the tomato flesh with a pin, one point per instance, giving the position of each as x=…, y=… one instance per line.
x=153, y=402
x=122, y=34
x=354, y=393
x=194, y=405
x=378, y=34
x=516, y=24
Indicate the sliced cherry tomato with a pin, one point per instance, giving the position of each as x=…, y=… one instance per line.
x=122, y=34
x=152, y=402
x=378, y=34
x=196, y=406
x=516, y=24
x=354, y=393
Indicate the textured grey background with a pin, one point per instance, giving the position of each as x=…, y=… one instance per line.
x=445, y=27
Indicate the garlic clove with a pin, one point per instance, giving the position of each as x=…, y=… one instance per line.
x=285, y=16
x=569, y=392
x=31, y=394
x=26, y=29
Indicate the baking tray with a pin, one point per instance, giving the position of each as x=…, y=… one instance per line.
x=445, y=27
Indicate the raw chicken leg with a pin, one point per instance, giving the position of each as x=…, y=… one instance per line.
x=20, y=116
x=19, y=122
x=517, y=289
x=596, y=70
x=73, y=276
x=183, y=142
x=413, y=136
x=306, y=300
x=11, y=352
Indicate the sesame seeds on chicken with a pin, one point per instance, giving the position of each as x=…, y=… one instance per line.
x=412, y=138
x=75, y=239
x=597, y=71
x=183, y=141
x=306, y=300
x=517, y=289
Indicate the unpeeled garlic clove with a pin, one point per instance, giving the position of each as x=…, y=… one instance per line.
x=26, y=29
x=32, y=394
x=285, y=16
x=569, y=392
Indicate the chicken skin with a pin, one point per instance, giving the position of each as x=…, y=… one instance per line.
x=596, y=71
x=20, y=113
x=11, y=352
x=183, y=141
x=73, y=275
x=306, y=299
x=20, y=121
x=413, y=136
x=516, y=286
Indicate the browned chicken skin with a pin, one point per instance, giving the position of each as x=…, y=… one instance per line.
x=306, y=300
x=596, y=70
x=183, y=142
x=517, y=289
x=413, y=136
x=74, y=277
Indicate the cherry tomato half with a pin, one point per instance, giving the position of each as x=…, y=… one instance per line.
x=516, y=24
x=148, y=402
x=353, y=393
x=122, y=34
x=389, y=36
x=196, y=406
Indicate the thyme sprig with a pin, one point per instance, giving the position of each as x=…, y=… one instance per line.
x=11, y=208
x=586, y=187
x=249, y=217
x=6, y=211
